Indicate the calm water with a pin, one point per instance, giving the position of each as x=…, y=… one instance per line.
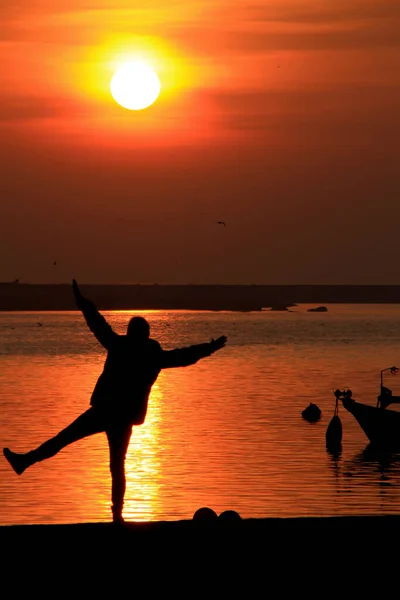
x=225, y=433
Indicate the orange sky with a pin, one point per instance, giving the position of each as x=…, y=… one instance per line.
x=280, y=117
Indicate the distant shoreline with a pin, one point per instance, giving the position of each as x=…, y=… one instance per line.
x=43, y=297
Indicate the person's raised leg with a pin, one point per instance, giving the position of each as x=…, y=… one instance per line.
x=118, y=440
x=88, y=423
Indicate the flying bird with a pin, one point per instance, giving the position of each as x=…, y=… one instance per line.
x=221, y=223
x=40, y=324
x=54, y=263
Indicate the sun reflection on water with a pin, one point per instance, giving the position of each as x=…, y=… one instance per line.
x=142, y=465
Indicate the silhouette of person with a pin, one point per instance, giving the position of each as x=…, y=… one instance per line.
x=120, y=397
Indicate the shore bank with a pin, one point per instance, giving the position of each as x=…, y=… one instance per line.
x=265, y=557
x=242, y=536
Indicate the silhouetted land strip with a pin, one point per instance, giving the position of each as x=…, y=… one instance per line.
x=191, y=297
x=217, y=528
x=294, y=531
x=298, y=553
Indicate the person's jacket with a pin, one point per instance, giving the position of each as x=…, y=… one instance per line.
x=131, y=369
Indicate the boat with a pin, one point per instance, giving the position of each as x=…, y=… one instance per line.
x=380, y=424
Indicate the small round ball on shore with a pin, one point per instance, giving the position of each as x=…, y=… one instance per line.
x=205, y=514
x=230, y=515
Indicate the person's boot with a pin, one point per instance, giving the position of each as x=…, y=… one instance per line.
x=19, y=462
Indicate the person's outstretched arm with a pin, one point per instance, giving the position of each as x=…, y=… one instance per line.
x=183, y=357
x=95, y=321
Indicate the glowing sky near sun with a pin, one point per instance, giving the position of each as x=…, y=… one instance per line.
x=280, y=117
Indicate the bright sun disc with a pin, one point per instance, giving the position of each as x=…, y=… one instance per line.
x=135, y=86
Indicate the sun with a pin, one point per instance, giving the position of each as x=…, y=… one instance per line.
x=135, y=86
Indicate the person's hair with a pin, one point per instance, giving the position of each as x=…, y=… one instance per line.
x=138, y=327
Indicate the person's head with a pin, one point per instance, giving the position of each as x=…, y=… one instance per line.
x=138, y=329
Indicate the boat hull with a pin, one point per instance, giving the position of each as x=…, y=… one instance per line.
x=381, y=426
